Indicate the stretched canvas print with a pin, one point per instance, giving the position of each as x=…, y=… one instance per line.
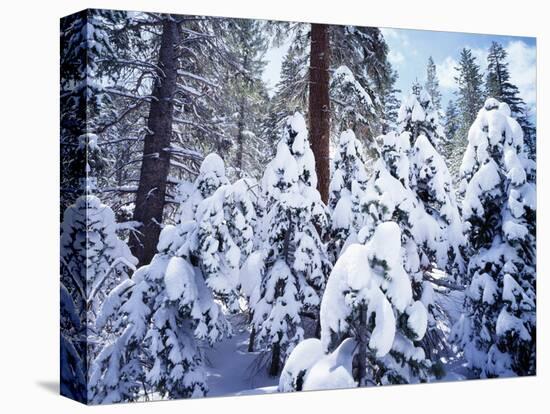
x=253, y=206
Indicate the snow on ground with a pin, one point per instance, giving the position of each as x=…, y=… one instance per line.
x=232, y=370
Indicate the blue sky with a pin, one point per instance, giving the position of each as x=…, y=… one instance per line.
x=409, y=51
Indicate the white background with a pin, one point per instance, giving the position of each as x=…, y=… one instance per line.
x=29, y=226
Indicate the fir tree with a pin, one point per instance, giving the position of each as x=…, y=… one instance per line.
x=349, y=175
x=451, y=125
x=432, y=84
x=294, y=258
x=159, y=316
x=497, y=330
x=369, y=297
x=418, y=116
x=246, y=94
x=499, y=86
x=469, y=101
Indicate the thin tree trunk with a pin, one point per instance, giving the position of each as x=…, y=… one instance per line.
x=275, y=360
x=151, y=191
x=362, y=348
x=252, y=339
x=319, y=105
x=240, y=139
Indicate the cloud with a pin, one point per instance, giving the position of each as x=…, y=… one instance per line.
x=395, y=57
x=393, y=35
x=522, y=62
x=446, y=72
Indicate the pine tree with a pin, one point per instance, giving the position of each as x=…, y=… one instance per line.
x=469, y=101
x=246, y=94
x=432, y=84
x=412, y=186
x=418, y=116
x=499, y=87
x=450, y=128
x=470, y=83
x=291, y=92
x=295, y=261
x=369, y=297
x=94, y=260
x=159, y=316
x=348, y=176
x=497, y=329
x=84, y=42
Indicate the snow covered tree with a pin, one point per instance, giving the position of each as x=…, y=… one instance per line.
x=432, y=84
x=353, y=105
x=470, y=84
x=159, y=317
x=291, y=92
x=224, y=240
x=72, y=353
x=84, y=41
x=497, y=330
x=369, y=297
x=211, y=177
x=245, y=95
x=418, y=116
x=499, y=86
x=451, y=125
x=432, y=183
x=469, y=99
x=412, y=187
x=295, y=261
x=348, y=176
x=93, y=259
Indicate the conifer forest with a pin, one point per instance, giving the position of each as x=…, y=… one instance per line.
x=253, y=206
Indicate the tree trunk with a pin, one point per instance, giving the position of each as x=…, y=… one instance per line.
x=319, y=105
x=275, y=360
x=252, y=339
x=151, y=191
x=240, y=139
x=362, y=336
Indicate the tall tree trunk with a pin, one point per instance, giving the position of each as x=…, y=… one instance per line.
x=319, y=105
x=275, y=360
x=151, y=191
x=240, y=139
x=361, y=356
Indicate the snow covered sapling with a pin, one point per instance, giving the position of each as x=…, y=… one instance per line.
x=396, y=192
x=211, y=177
x=294, y=258
x=160, y=314
x=418, y=116
x=369, y=297
x=169, y=305
x=497, y=330
x=432, y=183
x=94, y=260
x=295, y=136
x=224, y=240
x=348, y=176
x=352, y=101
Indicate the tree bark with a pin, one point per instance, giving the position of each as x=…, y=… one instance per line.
x=319, y=105
x=275, y=360
x=150, y=198
x=362, y=337
x=240, y=139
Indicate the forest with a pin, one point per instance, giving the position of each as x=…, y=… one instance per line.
x=223, y=237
